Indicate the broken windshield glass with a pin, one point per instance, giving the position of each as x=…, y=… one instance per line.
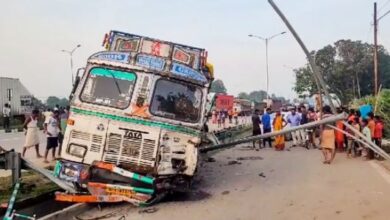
x=176, y=101
x=109, y=87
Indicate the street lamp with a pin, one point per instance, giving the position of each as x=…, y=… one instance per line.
x=266, y=40
x=71, y=59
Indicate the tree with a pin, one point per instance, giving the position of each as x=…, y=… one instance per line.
x=346, y=67
x=52, y=101
x=243, y=95
x=217, y=86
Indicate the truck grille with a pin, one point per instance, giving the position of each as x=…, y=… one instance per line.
x=85, y=136
x=94, y=141
x=130, y=152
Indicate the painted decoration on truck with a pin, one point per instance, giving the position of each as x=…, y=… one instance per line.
x=187, y=72
x=190, y=57
x=150, y=62
x=181, y=56
x=113, y=56
x=156, y=48
x=126, y=45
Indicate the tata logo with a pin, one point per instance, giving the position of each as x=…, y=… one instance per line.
x=100, y=127
x=133, y=134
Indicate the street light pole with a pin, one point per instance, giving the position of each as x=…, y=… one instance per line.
x=71, y=59
x=376, y=74
x=266, y=40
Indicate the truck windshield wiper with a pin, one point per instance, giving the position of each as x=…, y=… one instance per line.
x=115, y=81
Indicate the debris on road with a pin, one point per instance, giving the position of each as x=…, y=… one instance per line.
x=262, y=175
x=148, y=210
x=232, y=162
x=210, y=160
x=225, y=192
x=250, y=158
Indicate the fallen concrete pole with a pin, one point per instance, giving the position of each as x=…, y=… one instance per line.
x=368, y=144
x=371, y=145
x=67, y=187
x=281, y=132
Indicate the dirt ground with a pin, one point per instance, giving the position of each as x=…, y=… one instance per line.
x=246, y=184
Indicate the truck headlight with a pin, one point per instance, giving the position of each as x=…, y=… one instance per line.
x=77, y=150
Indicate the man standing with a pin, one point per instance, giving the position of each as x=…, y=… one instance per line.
x=304, y=120
x=6, y=116
x=52, y=128
x=256, y=127
x=266, y=119
x=235, y=116
x=294, y=119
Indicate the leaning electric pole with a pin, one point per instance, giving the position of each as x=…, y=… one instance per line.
x=375, y=50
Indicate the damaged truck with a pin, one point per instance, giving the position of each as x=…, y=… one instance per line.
x=135, y=121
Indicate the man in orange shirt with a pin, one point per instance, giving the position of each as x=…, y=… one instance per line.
x=371, y=126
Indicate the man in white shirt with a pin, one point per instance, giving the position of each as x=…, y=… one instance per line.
x=6, y=116
x=52, y=128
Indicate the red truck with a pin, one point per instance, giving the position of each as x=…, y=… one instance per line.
x=224, y=102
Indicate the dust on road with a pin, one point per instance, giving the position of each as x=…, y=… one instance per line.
x=281, y=185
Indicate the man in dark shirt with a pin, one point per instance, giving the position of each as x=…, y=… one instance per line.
x=266, y=120
x=304, y=120
x=256, y=130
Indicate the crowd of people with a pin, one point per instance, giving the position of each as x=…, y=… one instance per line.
x=329, y=138
x=53, y=127
x=223, y=116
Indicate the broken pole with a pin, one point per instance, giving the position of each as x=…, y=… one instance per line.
x=316, y=74
x=282, y=132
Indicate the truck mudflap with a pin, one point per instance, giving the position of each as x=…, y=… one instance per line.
x=127, y=187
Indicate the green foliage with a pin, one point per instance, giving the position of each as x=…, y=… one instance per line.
x=254, y=96
x=347, y=69
x=217, y=86
x=382, y=109
x=32, y=185
x=243, y=95
x=52, y=101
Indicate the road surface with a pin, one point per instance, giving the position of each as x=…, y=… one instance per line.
x=15, y=141
x=282, y=185
x=279, y=185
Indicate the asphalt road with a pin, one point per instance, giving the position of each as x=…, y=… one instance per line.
x=16, y=141
x=282, y=185
x=279, y=185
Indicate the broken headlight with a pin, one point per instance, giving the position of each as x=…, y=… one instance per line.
x=77, y=150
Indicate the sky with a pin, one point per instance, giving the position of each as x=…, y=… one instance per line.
x=33, y=33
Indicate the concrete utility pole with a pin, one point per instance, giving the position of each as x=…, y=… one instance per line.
x=376, y=71
x=375, y=50
x=266, y=40
x=71, y=59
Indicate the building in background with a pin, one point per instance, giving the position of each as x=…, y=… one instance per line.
x=13, y=92
x=243, y=106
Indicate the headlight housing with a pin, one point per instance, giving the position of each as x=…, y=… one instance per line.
x=77, y=150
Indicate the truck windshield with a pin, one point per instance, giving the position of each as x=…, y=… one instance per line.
x=108, y=87
x=176, y=101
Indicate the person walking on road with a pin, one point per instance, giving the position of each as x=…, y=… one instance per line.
x=266, y=120
x=32, y=133
x=6, y=116
x=52, y=129
x=256, y=130
x=327, y=138
x=279, y=124
x=294, y=119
